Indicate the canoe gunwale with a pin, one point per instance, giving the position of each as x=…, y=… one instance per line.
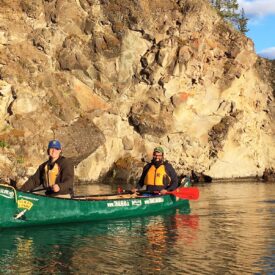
x=96, y=197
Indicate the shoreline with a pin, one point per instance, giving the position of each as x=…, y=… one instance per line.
x=242, y=179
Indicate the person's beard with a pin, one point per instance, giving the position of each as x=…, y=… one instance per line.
x=157, y=163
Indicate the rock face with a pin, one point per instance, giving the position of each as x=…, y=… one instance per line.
x=113, y=79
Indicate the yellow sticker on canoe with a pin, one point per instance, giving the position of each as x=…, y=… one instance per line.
x=24, y=204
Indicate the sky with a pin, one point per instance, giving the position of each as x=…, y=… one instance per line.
x=261, y=25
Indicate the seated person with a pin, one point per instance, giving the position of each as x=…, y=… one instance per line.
x=158, y=175
x=56, y=174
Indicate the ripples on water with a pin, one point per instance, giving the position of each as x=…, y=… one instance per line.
x=230, y=230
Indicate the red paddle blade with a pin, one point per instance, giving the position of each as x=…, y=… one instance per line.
x=189, y=193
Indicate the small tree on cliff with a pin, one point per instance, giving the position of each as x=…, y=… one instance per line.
x=242, y=24
x=218, y=5
x=228, y=9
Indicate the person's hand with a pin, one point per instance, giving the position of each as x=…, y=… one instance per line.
x=134, y=190
x=55, y=188
x=163, y=191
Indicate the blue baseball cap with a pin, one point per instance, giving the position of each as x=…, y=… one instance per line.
x=54, y=144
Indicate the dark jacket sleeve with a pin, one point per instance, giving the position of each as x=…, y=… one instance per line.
x=173, y=176
x=35, y=180
x=140, y=183
x=66, y=179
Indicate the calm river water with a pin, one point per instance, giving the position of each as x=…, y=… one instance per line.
x=229, y=230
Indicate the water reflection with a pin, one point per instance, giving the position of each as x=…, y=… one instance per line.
x=230, y=230
x=101, y=246
x=161, y=235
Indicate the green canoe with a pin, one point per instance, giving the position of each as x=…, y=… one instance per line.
x=20, y=209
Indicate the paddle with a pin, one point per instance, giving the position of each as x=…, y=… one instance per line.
x=38, y=190
x=189, y=193
x=102, y=195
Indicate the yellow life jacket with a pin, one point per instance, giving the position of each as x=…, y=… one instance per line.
x=156, y=176
x=51, y=174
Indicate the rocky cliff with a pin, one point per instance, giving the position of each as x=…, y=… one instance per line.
x=113, y=79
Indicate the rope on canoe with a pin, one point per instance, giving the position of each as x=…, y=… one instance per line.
x=14, y=190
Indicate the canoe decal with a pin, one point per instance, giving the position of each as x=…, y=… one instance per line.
x=118, y=204
x=24, y=204
x=124, y=203
x=8, y=194
x=20, y=215
x=23, y=207
x=154, y=200
x=137, y=202
x=29, y=198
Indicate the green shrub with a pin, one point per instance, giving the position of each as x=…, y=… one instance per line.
x=20, y=160
x=3, y=144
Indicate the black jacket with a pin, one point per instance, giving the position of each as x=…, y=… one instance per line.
x=170, y=171
x=64, y=179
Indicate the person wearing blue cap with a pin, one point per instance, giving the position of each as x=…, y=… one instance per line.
x=158, y=175
x=56, y=174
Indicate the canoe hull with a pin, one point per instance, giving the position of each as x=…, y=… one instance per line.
x=21, y=209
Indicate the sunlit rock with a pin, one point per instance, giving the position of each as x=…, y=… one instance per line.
x=114, y=79
x=6, y=98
